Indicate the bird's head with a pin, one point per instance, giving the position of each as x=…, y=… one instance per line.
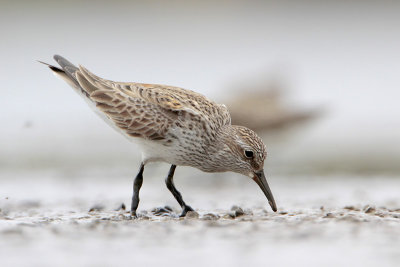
x=246, y=155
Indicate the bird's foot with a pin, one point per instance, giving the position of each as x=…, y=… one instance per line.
x=133, y=215
x=185, y=210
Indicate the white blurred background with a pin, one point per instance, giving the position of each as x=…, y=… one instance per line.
x=339, y=56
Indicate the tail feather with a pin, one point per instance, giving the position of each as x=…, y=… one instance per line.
x=67, y=72
x=53, y=68
x=66, y=65
x=72, y=75
x=69, y=69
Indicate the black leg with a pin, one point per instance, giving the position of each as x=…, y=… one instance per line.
x=137, y=184
x=169, y=181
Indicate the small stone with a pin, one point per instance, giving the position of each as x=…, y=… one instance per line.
x=97, y=207
x=121, y=207
x=234, y=207
x=161, y=211
x=329, y=215
x=232, y=214
x=168, y=208
x=192, y=215
x=283, y=212
x=210, y=217
x=394, y=210
x=229, y=216
x=238, y=211
x=349, y=208
x=369, y=209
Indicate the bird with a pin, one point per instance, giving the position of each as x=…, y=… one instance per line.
x=172, y=125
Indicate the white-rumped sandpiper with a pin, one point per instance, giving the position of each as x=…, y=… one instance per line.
x=172, y=125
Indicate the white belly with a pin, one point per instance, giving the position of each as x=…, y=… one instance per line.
x=153, y=151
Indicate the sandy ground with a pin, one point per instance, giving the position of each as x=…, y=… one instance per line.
x=336, y=220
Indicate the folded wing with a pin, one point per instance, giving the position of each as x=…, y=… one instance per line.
x=142, y=110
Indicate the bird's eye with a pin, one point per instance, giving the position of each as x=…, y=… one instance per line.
x=249, y=154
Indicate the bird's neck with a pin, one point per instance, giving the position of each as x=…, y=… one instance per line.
x=219, y=151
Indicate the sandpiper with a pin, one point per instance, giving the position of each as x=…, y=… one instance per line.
x=171, y=125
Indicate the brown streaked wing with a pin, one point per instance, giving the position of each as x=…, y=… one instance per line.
x=147, y=110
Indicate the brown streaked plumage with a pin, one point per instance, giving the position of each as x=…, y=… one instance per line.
x=172, y=125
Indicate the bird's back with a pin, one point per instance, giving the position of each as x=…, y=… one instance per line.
x=183, y=122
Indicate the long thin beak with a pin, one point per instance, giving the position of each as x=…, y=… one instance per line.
x=259, y=178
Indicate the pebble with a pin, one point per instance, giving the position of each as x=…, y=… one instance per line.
x=192, y=215
x=162, y=211
x=230, y=215
x=394, y=210
x=168, y=208
x=121, y=207
x=97, y=207
x=369, y=209
x=351, y=208
x=210, y=217
x=329, y=215
x=237, y=211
